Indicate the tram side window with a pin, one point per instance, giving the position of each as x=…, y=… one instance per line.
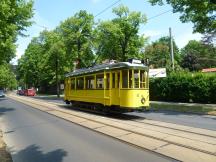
x=142, y=79
x=73, y=83
x=113, y=80
x=107, y=80
x=90, y=82
x=130, y=79
x=100, y=81
x=124, y=78
x=118, y=80
x=136, y=78
x=80, y=83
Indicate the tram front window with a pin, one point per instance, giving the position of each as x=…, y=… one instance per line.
x=124, y=78
x=143, y=79
x=136, y=78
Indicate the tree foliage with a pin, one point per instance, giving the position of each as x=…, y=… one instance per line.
x=14, y=18
x=197, y=55
x=43, y=56
x=119, y=39
x=158, y=53
x=200, y=12
x=7, y=77
x=77, y=34
x=53, y=53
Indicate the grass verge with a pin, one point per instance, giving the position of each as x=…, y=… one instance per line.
x=184, y=107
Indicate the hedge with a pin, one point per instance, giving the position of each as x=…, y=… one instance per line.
x=184, y=87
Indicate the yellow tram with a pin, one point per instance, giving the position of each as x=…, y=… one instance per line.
x=121, y=87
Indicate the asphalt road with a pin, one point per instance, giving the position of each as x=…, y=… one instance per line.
x=188, y=119
x=35, y=136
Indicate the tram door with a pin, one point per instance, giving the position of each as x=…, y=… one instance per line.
x=115, y=89
x=107, y=89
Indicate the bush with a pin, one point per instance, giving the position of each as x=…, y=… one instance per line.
x=184, y=87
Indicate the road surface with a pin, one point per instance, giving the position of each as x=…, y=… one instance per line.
x=35, y=136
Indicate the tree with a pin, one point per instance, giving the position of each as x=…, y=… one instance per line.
x=29, y=63
x=119, y=39
x=77, y=34
x=51, y=55
x=7, y=79
x=200, y=12
x=197, y=55
x=44, y=62
x=14, y=18
x=56, y=60
x=158, y=53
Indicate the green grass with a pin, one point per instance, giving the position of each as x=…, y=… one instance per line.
x=200, y=109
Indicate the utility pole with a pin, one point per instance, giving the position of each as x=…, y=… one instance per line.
x=171, y=49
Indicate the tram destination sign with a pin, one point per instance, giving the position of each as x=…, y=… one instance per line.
x=157, y=73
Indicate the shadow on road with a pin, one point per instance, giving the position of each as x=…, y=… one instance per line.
x=3, y=99
x=123, y=116
x=3, y=110
x=33, y=153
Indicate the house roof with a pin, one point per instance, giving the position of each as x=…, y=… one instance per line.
x=209, y=70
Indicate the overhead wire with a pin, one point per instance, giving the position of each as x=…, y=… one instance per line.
x=160, y=14
x=99, y=13
x=113, y=4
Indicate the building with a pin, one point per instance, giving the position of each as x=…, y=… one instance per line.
x=209, y=70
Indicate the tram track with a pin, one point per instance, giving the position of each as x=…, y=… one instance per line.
x=132, y=118
x=188, y=131
x=131, y=126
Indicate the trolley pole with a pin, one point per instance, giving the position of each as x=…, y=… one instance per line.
x=171, y=49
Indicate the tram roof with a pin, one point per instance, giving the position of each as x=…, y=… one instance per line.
x=109, y=66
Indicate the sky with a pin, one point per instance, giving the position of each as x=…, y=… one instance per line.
x=49, y=13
